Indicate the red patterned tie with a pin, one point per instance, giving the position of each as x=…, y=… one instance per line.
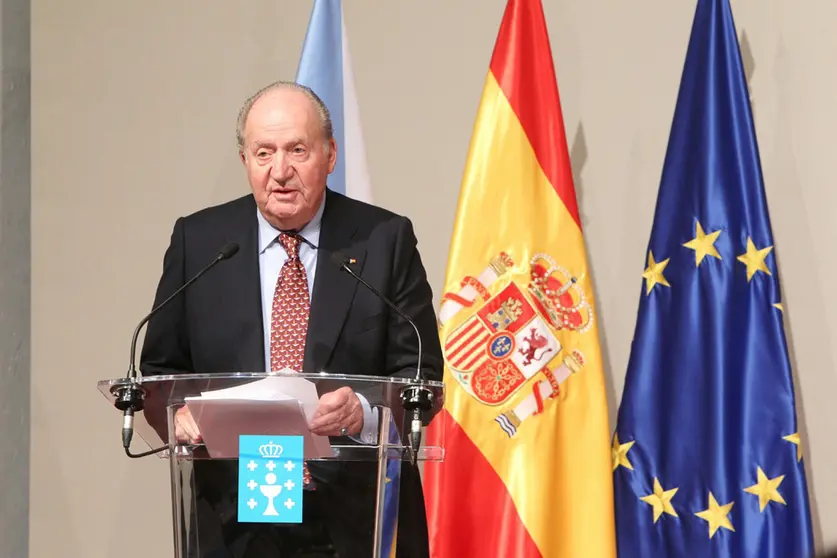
x=289, y=318
x=289, y=322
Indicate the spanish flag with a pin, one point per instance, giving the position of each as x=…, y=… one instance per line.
x=527, y=470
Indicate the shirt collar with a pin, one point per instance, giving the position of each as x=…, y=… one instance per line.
x=310, y=232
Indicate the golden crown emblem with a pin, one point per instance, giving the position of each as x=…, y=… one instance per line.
x=558, y=295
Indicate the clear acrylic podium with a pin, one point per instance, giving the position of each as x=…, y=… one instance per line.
x=366, y=467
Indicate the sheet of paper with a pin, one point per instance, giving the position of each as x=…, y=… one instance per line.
x=222, y=421
x=272, y=388
x=280, y=405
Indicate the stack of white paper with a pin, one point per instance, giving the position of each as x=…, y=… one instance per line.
x=272, y=406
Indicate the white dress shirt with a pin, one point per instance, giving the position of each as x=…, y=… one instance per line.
x=272, y=257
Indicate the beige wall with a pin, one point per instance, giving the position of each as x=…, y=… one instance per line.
x=134, y=105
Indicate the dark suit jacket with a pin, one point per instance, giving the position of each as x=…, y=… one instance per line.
x=216, y=326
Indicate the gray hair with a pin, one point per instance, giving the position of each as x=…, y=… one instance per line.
x=322, y=110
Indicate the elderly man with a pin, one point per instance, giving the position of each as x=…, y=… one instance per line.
x=282, y=303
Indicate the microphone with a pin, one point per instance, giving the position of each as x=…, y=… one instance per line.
x=343, y=263
x=415, y=398
x=129, y=398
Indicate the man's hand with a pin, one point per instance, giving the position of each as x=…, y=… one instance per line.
x=337, y=410
x=185, y=427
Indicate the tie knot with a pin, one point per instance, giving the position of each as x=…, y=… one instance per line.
x=291, y=244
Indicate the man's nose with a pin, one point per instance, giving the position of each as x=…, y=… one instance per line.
x=282, y=170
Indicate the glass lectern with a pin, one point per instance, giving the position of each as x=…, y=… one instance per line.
x=358, y=477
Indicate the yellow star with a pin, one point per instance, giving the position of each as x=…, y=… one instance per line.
x=766, y=489
x=619, y=453
x=795, y=439
x=703, y=244
x=779, y=306
x=754, y=259
x=660, y=500
x=716, y=516
x=653, y=274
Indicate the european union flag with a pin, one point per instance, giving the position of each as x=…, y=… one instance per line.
x=707, y=456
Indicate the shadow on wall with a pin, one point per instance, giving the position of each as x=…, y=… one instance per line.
x=749, y=63
x=578, y=160
x=786, y=190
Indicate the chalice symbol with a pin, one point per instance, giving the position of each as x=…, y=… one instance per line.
x=271, y=490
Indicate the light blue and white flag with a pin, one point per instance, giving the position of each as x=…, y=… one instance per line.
x=270, y=479
x=326, y=67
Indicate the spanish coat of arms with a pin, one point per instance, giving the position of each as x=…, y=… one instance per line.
x=510, y=339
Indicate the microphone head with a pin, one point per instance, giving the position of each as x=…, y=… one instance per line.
x=229, y=250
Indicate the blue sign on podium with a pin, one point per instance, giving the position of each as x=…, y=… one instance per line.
x=270, y=479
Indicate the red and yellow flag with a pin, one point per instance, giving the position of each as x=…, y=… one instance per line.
x=527, y=470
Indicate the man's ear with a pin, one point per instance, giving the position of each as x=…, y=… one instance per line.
x=332, y=155
x=242, y=156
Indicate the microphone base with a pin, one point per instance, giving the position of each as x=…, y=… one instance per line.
x=416, y=399
x=129, y=397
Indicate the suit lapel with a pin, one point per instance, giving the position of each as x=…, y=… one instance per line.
x=334, y=289
x=245, y=297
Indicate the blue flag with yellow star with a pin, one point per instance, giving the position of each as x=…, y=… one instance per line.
x=707, y=458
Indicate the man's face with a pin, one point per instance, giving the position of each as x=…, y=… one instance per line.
x=287, y=158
